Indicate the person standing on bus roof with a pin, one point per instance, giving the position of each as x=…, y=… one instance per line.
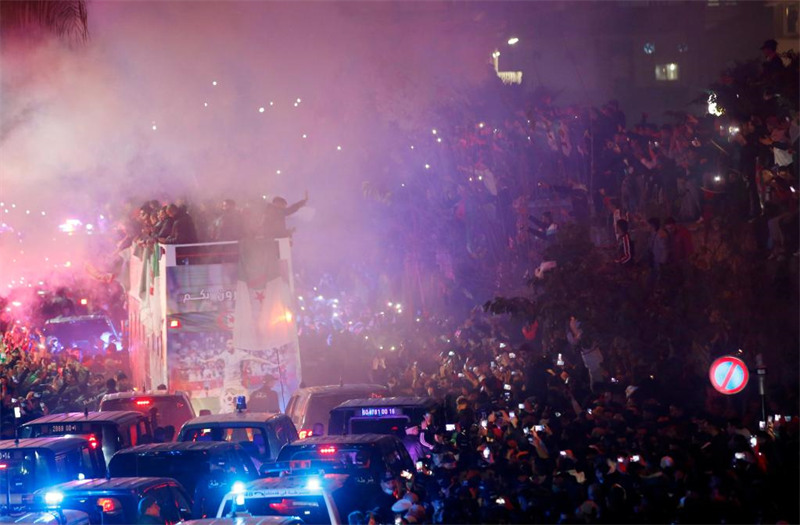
x=273, y=222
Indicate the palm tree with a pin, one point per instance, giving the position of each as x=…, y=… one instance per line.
x=66, y=19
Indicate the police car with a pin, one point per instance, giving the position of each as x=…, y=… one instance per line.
x=311, y=498
x=30, y=464
x=116, y=500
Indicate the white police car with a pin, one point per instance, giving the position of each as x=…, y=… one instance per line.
x=311, y=498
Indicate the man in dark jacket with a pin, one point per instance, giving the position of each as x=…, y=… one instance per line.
x=183, y=231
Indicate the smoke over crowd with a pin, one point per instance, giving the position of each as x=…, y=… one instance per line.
x=204, y=101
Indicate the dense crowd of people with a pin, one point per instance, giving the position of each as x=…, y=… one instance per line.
x=559, y=418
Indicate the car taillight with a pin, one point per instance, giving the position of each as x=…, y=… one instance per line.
x=327, y=450
x=109, y=504
x=143, y=402
x=175, y=323
x=93, y=441
x=3, y=466
x=305, y=433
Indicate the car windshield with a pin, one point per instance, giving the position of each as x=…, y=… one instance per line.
x=169, y=410
x=311, y=509
x=24, y=471
x=252, y=439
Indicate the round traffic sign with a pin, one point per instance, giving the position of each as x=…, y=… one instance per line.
x=728, y=375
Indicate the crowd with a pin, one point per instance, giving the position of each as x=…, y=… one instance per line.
x=38, y=380
x=562, y=416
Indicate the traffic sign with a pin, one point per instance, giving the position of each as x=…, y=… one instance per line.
x=728, y=375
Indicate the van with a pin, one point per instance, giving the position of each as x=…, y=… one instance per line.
x=166, y=410
x=261, y=434
x=366, y=458
x=27, y=465
x=388, y=415
x=206, y=470
x=310, y=407
x=110, y=431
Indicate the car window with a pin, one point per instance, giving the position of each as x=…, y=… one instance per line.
x=166, y=500
x=182, y=500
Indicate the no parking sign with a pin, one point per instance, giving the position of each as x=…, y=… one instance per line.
x=728, y=375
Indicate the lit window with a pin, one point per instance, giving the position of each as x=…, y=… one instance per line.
x=668, y=72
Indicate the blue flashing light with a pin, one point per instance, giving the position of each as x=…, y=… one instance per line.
x=238, y=487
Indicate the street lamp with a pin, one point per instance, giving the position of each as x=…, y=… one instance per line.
x=513, y=40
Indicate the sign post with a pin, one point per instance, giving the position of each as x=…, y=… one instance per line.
x=728, y=375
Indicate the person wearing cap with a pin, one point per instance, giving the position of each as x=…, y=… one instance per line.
x=150, y=511
x=772, y=64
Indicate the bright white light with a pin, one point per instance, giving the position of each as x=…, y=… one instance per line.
x=481, y=125
x=313, y=484
x=53, y=498
x=43, y=213
x=305, y=136
x=295, y=104
x=277, y=172
x=238, y=487
x=496, y=54
x=205, y=104
x=713, y=108
x=261, y=109
x=68, y=264
x=240, y=499
x=513, y=40
x=271, y=103
x=339, y=148
x=438, y=139
x=27, y=212
x=433, y=131
x=412, y=147
x=213, y=82
x=155, y=127
x=298, y=100
x=427, y=166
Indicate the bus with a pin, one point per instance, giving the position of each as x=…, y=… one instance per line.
x=214, y=320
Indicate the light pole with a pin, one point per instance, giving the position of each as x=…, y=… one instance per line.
x=508, y=77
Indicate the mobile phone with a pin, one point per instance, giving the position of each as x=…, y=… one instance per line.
x=635, y=458
x=512, y=414
x=450, y=427
x=788, y=418
x=777, y=417
x=558, y=414
x=500, y=501
x=538, y=428
x=739, y=455
x=521, y=406
x=762, y=425
x=486, y=453
x=589, y=411
x=506, y=387
x=753, y=441
x=620, y=459
x=419, y=465
x=563, y=454
x=512, y=355
x=460, y=374
x=484, y=423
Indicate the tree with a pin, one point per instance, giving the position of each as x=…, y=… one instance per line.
x=67, y=19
